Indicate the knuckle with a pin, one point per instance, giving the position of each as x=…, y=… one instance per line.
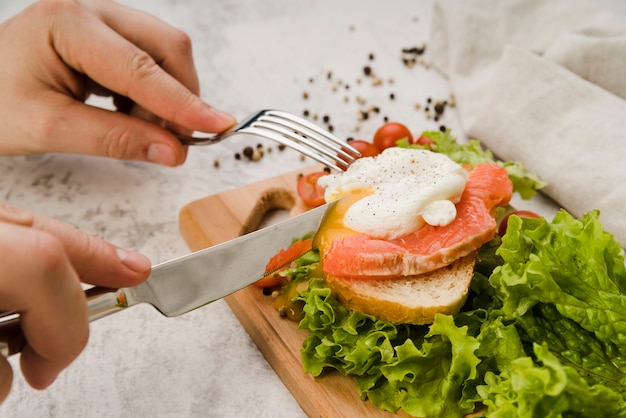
x=85, y=244
x=185, y=101
x=116, y=142
x=45, y=125
x=180, y=42
x=141, y=66
x=49, y=252
x=52, y=7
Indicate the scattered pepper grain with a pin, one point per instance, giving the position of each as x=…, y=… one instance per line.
x=248, y=151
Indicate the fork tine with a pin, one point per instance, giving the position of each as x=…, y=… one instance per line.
x=322, y=135
x=321, y=141
x=328, y=150
x=285, y=138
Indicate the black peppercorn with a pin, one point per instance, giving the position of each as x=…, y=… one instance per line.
x=247, y=152
x=439, y=107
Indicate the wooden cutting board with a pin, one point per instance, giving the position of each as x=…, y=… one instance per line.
x=214, y=219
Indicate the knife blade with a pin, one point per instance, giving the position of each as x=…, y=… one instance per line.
x=189, y=282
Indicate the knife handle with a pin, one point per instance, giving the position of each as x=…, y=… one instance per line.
x=101, y=301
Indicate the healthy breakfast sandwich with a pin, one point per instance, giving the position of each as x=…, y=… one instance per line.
x=408, y=294
x=401, y=244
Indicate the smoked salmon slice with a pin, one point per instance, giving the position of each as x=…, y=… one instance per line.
x=430, y=247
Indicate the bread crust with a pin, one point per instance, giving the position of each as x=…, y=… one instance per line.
x=408, y=299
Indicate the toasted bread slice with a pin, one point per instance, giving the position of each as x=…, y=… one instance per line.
x=409, y=299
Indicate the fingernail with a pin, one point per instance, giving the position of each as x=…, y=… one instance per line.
x=161, y=154
x=134, y=260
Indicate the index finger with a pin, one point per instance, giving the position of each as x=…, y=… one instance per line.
x=95, y=260
x=91, y=47
x=170, y=47
x=40, y=283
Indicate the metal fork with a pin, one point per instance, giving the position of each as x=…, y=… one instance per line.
x=291, y=131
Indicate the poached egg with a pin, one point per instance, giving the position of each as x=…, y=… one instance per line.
x=393, y=194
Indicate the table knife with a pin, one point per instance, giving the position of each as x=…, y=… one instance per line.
x=186, y=283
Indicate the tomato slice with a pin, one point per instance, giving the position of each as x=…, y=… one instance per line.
x=311, y=193
x=521, y=213
x=282, y=258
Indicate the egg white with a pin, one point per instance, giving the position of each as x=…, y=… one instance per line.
x=407, y=188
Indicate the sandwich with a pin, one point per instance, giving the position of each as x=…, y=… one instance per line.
x=526, y=322
x=403, y=246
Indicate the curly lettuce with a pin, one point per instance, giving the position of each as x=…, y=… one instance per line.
x=541, y=335
x=417, y=369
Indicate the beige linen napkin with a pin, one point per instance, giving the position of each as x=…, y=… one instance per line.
x=544, y=83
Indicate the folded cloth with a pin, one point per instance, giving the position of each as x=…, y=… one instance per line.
x=543, y=82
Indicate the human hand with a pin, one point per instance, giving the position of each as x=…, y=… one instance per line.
x=55, y=54
x=47, y=260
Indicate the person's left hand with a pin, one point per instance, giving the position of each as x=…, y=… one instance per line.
x=57, y=52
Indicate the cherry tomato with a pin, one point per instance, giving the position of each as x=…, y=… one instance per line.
x=521, y=213
x=282, y=258
x=367, y=149
x=424, y=140
x=311, y=193
x=391, y=132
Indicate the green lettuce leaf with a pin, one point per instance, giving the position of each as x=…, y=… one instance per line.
x=422, y=370
x=542, y=332
x=546, y=388
x=570, y=263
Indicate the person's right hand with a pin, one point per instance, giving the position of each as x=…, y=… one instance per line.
x=42, y=266
x=57, y=52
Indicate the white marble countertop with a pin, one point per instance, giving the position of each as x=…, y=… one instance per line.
x=249, y=55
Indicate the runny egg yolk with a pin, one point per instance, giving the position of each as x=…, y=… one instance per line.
x=333, y=226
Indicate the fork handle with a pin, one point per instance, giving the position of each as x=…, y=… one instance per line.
x=101, y=302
